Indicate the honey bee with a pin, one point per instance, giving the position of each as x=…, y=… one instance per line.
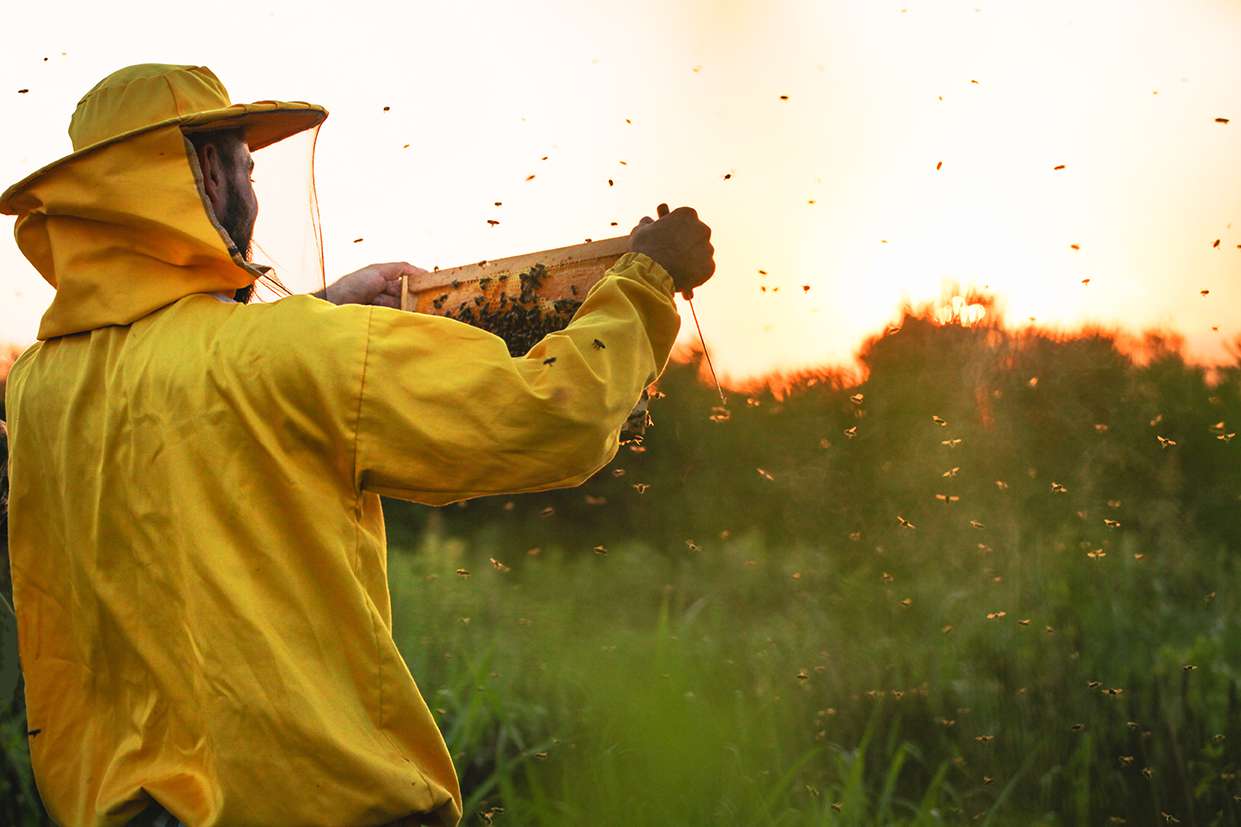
x=618, y=472
x=947, y=499
x=825, y=443
x=1113, y=503
x=720, y=414
x=601, y=550
x=1164, y=442
x=1168, y=818
x=498, y=566
x=547, y=512
x=976, y=524
x=1147, y=772
x=952, y=443
x=1078, y=727
x=641, y=487
x=751, y=402
x=1101, y=427
x=851, y=431
x=598, y=345
x=803, y=675
x=463, y=573
x=1189, y=667
x=1057, y=488
x=907, y=602
x=996, y=615
x=951, y=472
x=1025, y=621
x=855, y=536
x=857, y=399
x=1229, y=437
x=940, y=421
x=1001, y=485
x=984, y=739
x=593, y=500
x=1093, y=684
x=947, y=629
x=1111, y=523
x=903, y=522
x=765, y=474
x=887, y=578
x=692, y=546
x=1097, y=554
x=550, y=360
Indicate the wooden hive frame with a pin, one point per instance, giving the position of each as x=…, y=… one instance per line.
x=571, y=272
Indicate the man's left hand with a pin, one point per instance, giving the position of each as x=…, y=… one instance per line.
x=378, y=284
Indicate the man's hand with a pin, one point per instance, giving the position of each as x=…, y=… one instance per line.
x=680, y=243
x=378, y=284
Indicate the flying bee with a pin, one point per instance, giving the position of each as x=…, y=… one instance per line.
x=951, y=472
x=1113, y=503
x=463, y=573
x=940, y=421
x=857, y=399
x=550, y=360
x=825, y=443
x=1111, y=523
x=907, y=602
x=1101, y=427
x=692, y=546
x=1147, y=772
x=751, y=402
x=997, y=615
x=593, y=500
x=1093, y=684
x=887, y=578
x=1057, y=488
x=720, y=414
x=641, y=487
x=984, y=739
x=765, y=474
x=1229, y=437
x=618, y=472
x=976, y=524
x=803, y=675
x=1218, y=426
x=855, y=536
x=601, y=550
x=498, y=566
x=851, y=432
x=1001, y=485
x=1078, y=727
x=1189, y=667
x=547, y=512
x=1025, y=621
x=952, y=443
x=903, y=522
x=1097, y=554
x=598, y=345
x=947, y=499
x=1164, y=442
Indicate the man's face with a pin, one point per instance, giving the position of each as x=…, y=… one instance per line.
x=240, y=207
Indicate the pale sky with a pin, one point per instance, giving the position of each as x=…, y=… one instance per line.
x=1123, y=94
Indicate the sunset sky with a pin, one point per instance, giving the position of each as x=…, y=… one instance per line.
x=1124, y=95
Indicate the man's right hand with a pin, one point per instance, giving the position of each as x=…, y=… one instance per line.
x=678, y=242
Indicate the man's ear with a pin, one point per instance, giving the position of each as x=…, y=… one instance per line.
x=214, y=178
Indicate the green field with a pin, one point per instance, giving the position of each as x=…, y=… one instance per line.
x=1055, y=639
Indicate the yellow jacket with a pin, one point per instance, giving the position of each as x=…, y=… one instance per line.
x=197, y=544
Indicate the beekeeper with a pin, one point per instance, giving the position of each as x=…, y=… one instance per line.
x=197, y=545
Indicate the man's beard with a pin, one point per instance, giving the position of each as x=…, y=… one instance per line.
x=239, y=227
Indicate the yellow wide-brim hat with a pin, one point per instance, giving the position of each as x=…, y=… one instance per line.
x=149, y=96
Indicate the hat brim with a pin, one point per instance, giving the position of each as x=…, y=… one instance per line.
x=263, y=122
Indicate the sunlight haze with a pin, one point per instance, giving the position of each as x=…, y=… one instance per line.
x=1125, y=96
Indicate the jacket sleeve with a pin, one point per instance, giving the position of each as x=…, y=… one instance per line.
x=446, y=414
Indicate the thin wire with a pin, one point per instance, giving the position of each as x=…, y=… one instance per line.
x=705, y=352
